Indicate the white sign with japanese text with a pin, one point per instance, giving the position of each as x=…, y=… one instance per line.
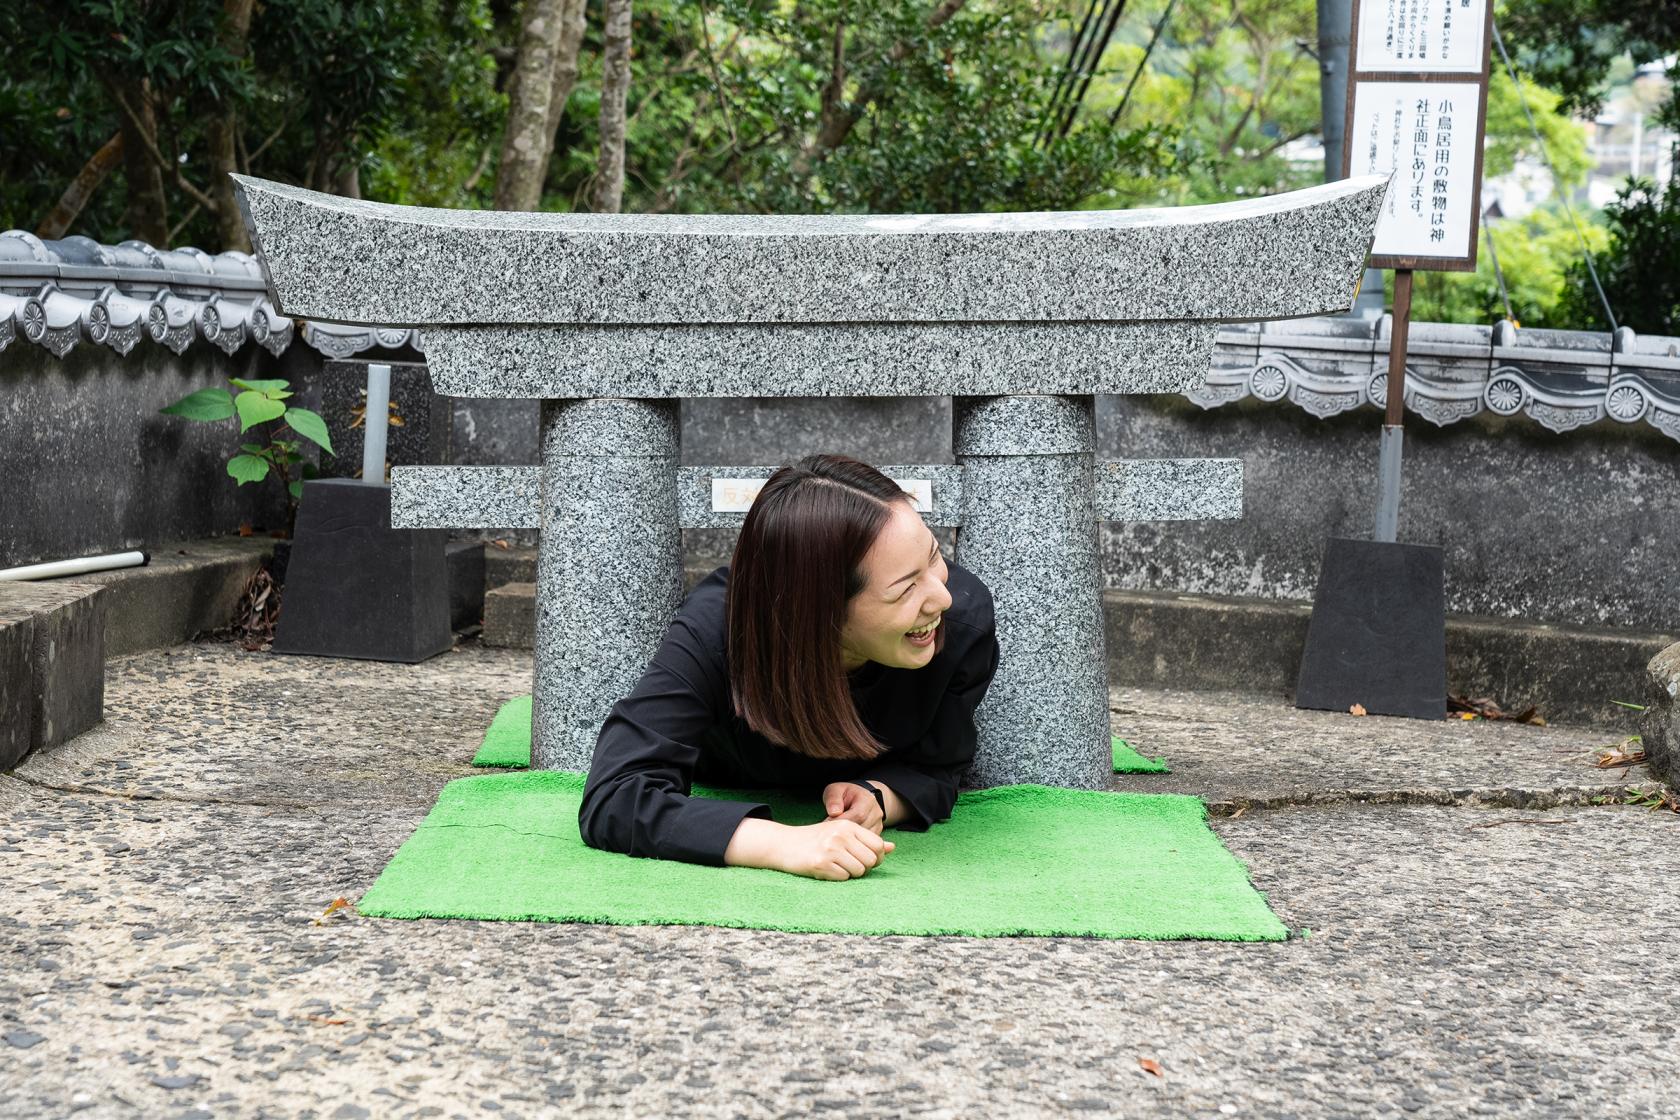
x=1428, y=133
x=735, y=495
x=1421, y=36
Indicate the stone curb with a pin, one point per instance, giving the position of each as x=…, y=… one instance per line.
x=189, y=587
x=1206, y=642
x=52, y=664
x=1571, y=674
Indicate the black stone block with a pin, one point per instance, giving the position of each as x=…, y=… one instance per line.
x=1378, y=632
x=355, y=587
x=466, y=583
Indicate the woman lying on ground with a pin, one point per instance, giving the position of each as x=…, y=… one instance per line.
x=807, y=663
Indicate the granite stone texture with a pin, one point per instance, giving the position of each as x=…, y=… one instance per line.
x=354, y=261
x=1023, y=425
x=1661, y=718
x=818, y=359
x=1030, y=534
x=466, y=497
x=753, y=430
x=611, y=320
x=1169, y=489
x=609, y=565
x=511, y=497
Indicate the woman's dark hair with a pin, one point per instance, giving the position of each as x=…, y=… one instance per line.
x=797, y=565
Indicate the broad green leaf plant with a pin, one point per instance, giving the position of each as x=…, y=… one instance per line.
x=262, y=403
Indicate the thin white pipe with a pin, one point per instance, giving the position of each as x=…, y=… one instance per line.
x=54, y=568
x=375, y=421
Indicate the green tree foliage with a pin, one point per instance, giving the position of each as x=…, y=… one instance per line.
x=1640, y=267
x=734, y=105
x=262, y=403
x=1535, y=253
x=1239, y=80
x=1571, y=45
x=841, y=105
x=324, y=87
x=1510, y=140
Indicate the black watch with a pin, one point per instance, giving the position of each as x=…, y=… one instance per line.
x=880, y=798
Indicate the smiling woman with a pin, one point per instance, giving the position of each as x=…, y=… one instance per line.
x=837, y=653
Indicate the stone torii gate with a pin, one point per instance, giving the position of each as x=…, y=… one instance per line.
x=610, y=319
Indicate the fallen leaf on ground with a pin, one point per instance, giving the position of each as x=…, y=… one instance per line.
x=325, y=1020
x=1151, y=1065
x=1620, y=755
x=1358, y=710
x=337, y=904
x=1487, y=708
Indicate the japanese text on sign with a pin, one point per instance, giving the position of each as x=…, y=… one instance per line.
x=1426, y=133
x=1421, y=36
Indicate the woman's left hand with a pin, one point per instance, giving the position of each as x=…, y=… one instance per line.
x=851, y=801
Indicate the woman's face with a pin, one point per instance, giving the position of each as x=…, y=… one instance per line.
x=904, y=590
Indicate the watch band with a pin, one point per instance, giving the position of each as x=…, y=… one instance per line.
x=880, y=798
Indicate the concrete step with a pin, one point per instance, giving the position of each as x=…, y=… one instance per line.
x=509, y=565
x=510, y=616
x=52, y=663
x=187, y=588
x=1571, y=674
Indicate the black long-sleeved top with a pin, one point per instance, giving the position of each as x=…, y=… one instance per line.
x=678, y=726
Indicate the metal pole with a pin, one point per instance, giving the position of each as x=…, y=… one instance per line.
x=1388, y=461
x=375, y=422
x=1335, y=28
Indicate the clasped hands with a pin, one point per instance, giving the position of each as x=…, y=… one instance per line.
x=852, y=802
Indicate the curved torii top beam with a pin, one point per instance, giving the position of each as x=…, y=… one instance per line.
x=664, y=305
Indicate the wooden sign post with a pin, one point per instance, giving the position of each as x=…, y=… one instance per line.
x=1417, y=96
x=1417, y=103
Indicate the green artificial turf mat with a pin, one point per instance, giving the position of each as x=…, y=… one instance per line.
x=508, y=743
x=1012, y=860
x=1129, y=761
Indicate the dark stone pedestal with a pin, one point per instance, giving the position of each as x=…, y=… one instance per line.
x=466, y=583
x=355, y=587
x=1378, y=632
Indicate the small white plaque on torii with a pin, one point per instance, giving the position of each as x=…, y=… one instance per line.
x=735, y=495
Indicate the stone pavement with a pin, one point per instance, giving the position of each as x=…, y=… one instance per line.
x=1485, y=939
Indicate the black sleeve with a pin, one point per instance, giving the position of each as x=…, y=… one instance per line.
x=926, y=775
x=636, y=799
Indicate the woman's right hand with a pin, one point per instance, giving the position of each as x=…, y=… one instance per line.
x=837, y=849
